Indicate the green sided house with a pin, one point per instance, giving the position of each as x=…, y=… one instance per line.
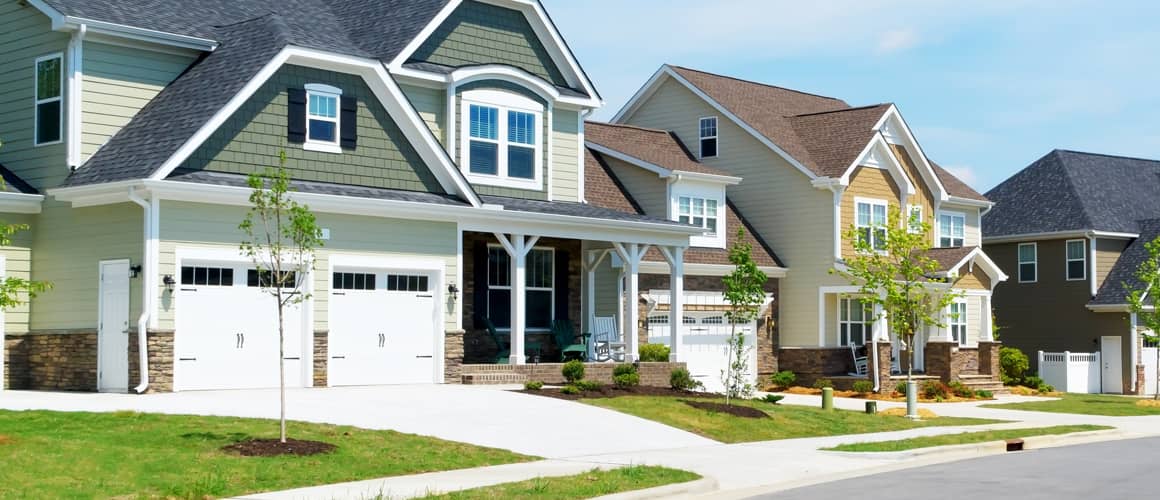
x=440, y=142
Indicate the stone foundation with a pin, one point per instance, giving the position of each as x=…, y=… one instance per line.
x=651, y=374
x=813, y=363
x=989, y=359
x=321, y=357
x=15, y=363
x=160, y=346
x=885, y=350
x=53, y=360
x=1140, y=381
x=453, y=356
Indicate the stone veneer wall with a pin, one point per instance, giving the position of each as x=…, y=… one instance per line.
x=15, y=363
x=160, y=346
x=60, y=360
x=453, y=356
x=989, y=359
x=813, y=363
x=321, y=357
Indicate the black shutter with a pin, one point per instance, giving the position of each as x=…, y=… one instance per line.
x=479, y=290
x=348, y=136
x=296, y=116
x=563, y=293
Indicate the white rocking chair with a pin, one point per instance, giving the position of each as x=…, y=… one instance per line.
x=860, y=363
x=607, y=344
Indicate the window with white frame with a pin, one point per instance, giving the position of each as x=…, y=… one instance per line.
x=502, y=140
x=49, y=114
x=951, y=229
x=914, y=219
x=539, y=278
x=1076, y=260
x=322, y=117
x=871, y=222
x=855, y=321
x=957, y=321
x=1028, y=262
x=700, y=212
x=708, y=134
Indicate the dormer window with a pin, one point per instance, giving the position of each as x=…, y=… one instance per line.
x=708, y=136
x=502, y=139
x=699, y=212
x=322, y=118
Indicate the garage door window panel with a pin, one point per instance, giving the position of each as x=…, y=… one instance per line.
x=354, y=281
x=266, y=278
x=207, y=276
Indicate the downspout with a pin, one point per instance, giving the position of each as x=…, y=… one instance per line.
x=149, y=271
x=874, y=350
x=73, y=102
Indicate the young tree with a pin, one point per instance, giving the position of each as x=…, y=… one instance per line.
x=16, y=291
x=744, y=289
x=1145, y=301
x=280, y=238
x=893, y=269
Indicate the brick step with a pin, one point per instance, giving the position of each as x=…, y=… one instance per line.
x=493, y=378
x=994, y=386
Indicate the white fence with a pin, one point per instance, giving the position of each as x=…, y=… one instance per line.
x=1148, y=359
x=1071, y=371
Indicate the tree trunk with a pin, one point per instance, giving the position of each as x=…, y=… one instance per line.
x=281, y=368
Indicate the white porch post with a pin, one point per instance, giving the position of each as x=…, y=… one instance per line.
x=517, y=247
x=592, y=261
x=985, y=324
x=676, y=258
x=632, y=254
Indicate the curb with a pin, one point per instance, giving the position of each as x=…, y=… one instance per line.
x=993, y=447
x=695, y=487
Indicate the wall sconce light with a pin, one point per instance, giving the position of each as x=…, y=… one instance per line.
x=453, y=291
x=135, y=271
x=169, y=282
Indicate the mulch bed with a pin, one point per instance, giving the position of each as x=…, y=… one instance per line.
x=275, y=447
x=611, y=391
x=735, y=410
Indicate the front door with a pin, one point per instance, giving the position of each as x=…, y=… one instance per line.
x=113, y=327
x=1111, y=357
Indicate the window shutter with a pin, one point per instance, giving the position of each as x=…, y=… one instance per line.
x=563, y=294
x=348, y=136
x=479, y=287
x=296, y=116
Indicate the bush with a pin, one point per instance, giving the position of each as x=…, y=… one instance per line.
x=587, y=385
x=654, y=353
x=573, y=371
x=533, y=385
x=823, y=383
x=934, y=389
x=569, y=389
x=1034, y=382
x=863, y=387
x=624, y=369
x=961, y=390
x=681, y=380
x=900, y=388
x=1045, y=388
x=984, y=394
x=626, y=380
x=783, y=379
x=773, y=398
x=1013, y=365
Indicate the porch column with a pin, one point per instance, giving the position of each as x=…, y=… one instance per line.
x=986, y=335
x=632, y=253
x=592, y=260
x=518, y=246
x=676, y=258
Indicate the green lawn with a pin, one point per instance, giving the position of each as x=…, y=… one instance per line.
x=587, y=485
x=101, y=455
x=787, y=421
x=1086, y=404
x=965, y=438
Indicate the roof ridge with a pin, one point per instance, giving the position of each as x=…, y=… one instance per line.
x=856, y=108
x=754, y=82
x=625, y=125
x=1087, y=220
x=1105, y=155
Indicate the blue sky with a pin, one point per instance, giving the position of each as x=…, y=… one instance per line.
x=987, y=86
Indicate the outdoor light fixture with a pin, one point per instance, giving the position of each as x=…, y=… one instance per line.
x=453, y=291
x=169, y=282
x=135, y=271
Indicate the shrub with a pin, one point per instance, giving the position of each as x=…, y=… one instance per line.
x=587, y=385
x=984, y=394
x=961, y=390
x=783, y=379
x=1013, y=365
x=1033, y=382
x=626, y=380
x=654, y=353
x=533, y=385
x=1045, y=388
x=934, y=389
x=623, y=369
x=863, y=387
x=900, y=388
x=823, y=383
x=569, y=389
x=573, y=371
x=681, y=380
x=773, y=398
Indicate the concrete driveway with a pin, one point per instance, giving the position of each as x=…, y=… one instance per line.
x=485, y=416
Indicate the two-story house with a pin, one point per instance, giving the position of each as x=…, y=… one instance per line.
x=440, y=143
x=1070, y=229
x=803, y=169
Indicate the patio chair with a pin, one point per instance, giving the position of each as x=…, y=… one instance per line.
x=607, y=343
x=860, y=363
x=565, y=337
x=531, y=347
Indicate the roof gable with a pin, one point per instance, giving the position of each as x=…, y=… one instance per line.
x=656, y=148
x=835, y=140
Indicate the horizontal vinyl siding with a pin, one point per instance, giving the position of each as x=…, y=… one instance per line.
x=26, y=34
x=432, y=107
x=565, y=156
x=118, y=82
x=924, y=196
x=972, y=236
x=866, y=182
x=200, y=225
x=17, y=264
x=649, y=190
x=1107, y=253
x=777, y=200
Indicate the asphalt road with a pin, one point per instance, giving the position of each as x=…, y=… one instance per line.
x=1109, y=470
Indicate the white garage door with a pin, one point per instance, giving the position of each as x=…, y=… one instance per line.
x=706, y=345
x=227, y=331
x=382, y=327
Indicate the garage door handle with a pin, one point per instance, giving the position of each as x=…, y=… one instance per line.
x=189, y=289
x=340, y=293
x=428, y=357
x=338, y=357
x=292, y=359
x=382, y=340
x=425, y=296
x=187, y=359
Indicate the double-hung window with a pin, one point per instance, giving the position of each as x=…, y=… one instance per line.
x=1076, y=260
x=957, y=321
x=49, y=97
x=855, y=321
x=540, y=292
x=708, y=134
x=502, y=139
x=700, y=212
x=322, y=117
x=951, y=228
x=914, y=219
x=871, y=222
x=1028, y=263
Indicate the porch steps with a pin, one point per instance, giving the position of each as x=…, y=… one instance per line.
x=983, y=383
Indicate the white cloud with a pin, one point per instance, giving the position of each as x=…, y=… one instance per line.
x=897, y=40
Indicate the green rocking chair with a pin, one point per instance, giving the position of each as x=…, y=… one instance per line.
x=531, y=347
x=565, y=337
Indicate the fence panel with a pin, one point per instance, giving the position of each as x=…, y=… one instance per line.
x=1148, y=358
x=1071, y=371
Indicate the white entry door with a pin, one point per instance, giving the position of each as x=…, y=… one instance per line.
x=1111, y=356
x=113, y=327
x=382, y=328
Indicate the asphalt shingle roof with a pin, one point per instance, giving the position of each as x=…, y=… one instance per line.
x=834, y=139
x=1113, y=291
x=658, y=147
x=948, y=257
x=603, y=189
x=1073, y=191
